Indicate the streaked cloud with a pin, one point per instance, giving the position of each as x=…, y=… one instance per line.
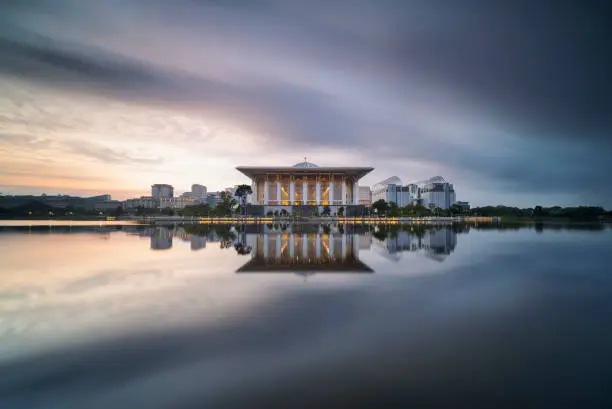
x=508, y=102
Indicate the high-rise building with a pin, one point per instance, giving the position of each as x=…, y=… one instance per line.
x=199, y=192
x=159, y=191
x=391, y=190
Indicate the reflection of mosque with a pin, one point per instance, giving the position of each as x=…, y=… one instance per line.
x=304, y=252
x=435, y=244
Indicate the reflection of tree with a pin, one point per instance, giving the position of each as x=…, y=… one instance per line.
x=243, y=249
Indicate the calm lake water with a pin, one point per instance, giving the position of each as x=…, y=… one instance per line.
x=304, y=316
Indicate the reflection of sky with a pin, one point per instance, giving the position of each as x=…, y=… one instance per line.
x=140, y=328
x=56, y=288
x=59, y=287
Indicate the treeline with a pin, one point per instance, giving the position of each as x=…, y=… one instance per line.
x=580, y=213
x=37, y=210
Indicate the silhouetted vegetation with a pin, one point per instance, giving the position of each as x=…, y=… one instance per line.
x=580, y=213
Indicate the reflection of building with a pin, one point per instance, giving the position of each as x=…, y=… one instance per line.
x=198, y=242
x=436, y=244
x=285, y=252
x=303, y=187
x=391, y=190
x=161, y=239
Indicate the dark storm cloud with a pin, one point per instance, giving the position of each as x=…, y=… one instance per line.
x=536, y=70
x=541, y=66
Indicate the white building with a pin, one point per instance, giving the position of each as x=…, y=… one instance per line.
x=391, y=190
x=175, y=202
x=435, y=192
x=365, y=195
x=159, y=191
x=145, y=201
x=305, y=187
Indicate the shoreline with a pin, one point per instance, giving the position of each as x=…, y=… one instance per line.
x=315, y=220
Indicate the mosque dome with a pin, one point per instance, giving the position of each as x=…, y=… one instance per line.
x=305, y=164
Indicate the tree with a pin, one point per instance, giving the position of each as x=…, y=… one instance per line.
x=341, y=212
x=242, y=191
x=326, y=211
x=394, y=210
x=168, y=211
x=225, y=207
x=118, y=211
x=380, y=207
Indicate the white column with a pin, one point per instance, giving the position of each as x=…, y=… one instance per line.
x=254, y=188
x=318, y=192
x=355, y=192
x=343, y=191
x=305, y=192
x=265, y=246
x=278, y=192
x=305, y=246
x=331, y=192
x=291, y=191
x=266, y=192
x=278, y=246
x=343, y=246
x=318, y=247
x=331, y=246
x=291, y=247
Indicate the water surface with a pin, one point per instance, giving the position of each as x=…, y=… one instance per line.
x=114, y=316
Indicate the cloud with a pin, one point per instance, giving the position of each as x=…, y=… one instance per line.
x=513, y=98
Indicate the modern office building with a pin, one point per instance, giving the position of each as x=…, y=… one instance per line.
x=199, y=193
x=305, y=187
x=159, y=191
x=365, y=195
x=464, y=206
x=435, y=192
x=391, y=190
x=213, y=198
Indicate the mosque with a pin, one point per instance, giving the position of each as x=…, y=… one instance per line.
x=305, y=188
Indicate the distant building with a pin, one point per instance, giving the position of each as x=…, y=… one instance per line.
x=146, y=202
x=100, y=198
x=108, y=205
x=175, y=202
x=465, y=206
x=436, y=192
x=213, y=198
x=365, y=195
x=159, y=191
x=199, y=193
x=391, y=190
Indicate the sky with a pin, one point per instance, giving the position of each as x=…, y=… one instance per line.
x=510, y=101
